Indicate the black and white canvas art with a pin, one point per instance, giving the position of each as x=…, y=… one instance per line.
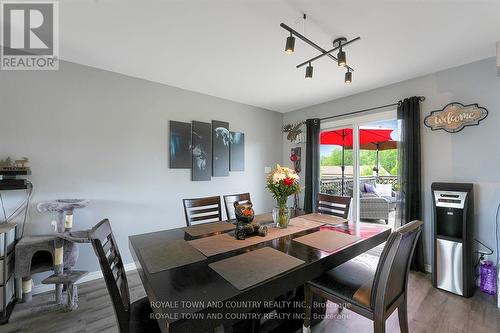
x=180, y=143
x=201, y=151
x=237, y=152
x=220, y=146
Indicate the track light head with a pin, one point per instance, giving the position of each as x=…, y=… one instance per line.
x=309, y=71
x=341, y=58
x=348, y=77
x=290, y=44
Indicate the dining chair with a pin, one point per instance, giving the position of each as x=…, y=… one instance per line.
x=201, y=210
x=132, y=317
x=333, y=205
x=229, y=201
x=373, y=290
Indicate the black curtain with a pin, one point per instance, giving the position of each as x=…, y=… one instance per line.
x=312, y=165
x=410, y=176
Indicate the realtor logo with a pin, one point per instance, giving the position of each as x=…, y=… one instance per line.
x=30, y=35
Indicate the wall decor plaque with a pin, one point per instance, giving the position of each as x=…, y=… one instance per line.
x=455, y=116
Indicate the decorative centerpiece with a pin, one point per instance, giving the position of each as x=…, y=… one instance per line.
x=245, y=225
x=282, y=182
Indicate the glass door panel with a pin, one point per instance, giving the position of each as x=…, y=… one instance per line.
x=378, y=171
x=337, y=163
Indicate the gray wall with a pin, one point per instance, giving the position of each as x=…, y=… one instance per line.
x=472, y=155
x=104, y=136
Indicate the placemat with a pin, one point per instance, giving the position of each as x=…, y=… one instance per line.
x=251, y=268
x=327, y=240
x=324, y=218
x=217, y=244
x=168, y=255
x=208, y=228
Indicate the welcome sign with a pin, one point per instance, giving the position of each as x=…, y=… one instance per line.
x=455, y=116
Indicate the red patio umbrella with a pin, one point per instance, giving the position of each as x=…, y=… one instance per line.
x=369, y=139
x=343, y=137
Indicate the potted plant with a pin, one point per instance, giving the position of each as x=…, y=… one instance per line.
x=282, y=182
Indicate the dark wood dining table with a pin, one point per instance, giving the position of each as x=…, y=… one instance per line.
x=195, y=298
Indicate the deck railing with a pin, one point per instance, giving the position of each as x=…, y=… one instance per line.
x=333, y=185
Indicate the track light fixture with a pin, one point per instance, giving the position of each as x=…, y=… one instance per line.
x=341, y=58
x=309, y=72
x=348, y=77
x=338, y=45
x=290, y=44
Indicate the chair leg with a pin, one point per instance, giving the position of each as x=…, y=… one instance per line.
x=378, y=325
x=403, y=317
x=308, y=298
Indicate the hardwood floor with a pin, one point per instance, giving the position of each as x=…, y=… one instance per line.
x=95, y=312
x=430, y=310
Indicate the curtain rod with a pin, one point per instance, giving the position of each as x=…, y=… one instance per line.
x=421, y=98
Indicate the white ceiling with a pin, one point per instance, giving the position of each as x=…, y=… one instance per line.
x=234, y=49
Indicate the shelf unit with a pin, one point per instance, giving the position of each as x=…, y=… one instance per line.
x=9, y=288
x=8, y=285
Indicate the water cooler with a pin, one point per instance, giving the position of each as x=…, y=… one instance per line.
x=453, y=269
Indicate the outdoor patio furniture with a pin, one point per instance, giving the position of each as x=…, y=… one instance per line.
x=373, y=206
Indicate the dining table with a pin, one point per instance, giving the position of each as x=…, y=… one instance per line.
x=198, y=278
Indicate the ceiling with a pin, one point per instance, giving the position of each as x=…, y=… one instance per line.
x=233, y=49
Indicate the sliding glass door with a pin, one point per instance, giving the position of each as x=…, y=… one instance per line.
x=359, y=159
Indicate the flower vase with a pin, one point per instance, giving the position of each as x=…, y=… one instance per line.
x=281, y=215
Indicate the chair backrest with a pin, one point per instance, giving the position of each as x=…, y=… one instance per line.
x=106, y=250
x=333, y=205
x=201, y=210
x=229, y=201
x=391, y=276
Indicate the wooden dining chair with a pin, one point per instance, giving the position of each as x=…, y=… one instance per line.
x=201, y=210
x=333, y=205
x=229, y=201
x=132, y=317
x=371, y=290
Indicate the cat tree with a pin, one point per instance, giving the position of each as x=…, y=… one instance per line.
x=32, y=253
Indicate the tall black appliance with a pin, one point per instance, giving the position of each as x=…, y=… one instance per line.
x=453, y=213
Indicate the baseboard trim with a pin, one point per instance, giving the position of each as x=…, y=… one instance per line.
x=42, y=288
